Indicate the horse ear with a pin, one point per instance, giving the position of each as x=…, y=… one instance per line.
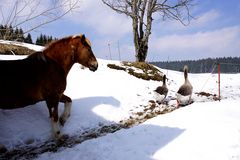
x=83, y=37
x=84, y=40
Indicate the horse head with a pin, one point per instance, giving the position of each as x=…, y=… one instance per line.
x=83, y=52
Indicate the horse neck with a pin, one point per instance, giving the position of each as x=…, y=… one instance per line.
x=63, y=57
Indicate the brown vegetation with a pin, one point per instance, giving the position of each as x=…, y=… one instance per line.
x=140, y=70
x=9, y=49
x=213, y=96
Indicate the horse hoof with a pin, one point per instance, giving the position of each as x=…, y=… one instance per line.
x=57, y=135
x=62, y=121
x=62, y=139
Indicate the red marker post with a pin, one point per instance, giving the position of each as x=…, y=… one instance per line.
x=219, y=70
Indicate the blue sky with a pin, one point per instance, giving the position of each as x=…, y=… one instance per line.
x=214, y=33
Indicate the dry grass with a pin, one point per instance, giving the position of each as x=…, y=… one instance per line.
x=140, y=70
x=213, y=96
x=114, y=66
x=9, y=49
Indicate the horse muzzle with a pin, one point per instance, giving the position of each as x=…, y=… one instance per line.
x=93, y=66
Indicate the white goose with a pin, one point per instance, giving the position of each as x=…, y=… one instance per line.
x=161, y=91
x=184, y=93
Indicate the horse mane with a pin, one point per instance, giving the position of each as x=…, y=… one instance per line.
x=37, y=55
x=57, y=41
x=86, y=41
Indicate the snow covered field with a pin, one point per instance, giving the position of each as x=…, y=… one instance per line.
x=204, y=130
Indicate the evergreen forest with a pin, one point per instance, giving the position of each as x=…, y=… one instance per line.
x=17, y=34
x=209, y=65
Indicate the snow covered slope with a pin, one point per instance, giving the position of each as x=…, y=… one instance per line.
x=204, y=130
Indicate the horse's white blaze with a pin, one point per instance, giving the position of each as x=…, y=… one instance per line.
x=55, y=129
x=67, y=111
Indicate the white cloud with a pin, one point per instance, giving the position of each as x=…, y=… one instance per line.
x=218, y=43
x=205, y=19
x=101, y=18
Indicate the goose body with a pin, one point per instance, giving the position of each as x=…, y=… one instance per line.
x=161, y=91
x=184, y=93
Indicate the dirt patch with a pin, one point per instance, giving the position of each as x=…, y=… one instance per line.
x=140, y=70
x=149, y=111
x=209, y=95
x=32, y=151
x=9, y=49
x=114, y=66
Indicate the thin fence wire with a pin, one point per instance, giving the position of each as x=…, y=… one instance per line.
x=219, y=73
x=213, y=69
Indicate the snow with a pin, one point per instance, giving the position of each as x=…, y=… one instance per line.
x=204, y=130
x=186, y=133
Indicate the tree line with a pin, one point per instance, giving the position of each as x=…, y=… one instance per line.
x=42, y=40
x=17, y=34
x=227, y=65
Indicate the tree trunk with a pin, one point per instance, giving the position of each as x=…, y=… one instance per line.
x=140, y=34
x=141, y=53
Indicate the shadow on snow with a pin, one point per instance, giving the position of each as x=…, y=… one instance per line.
x=31, y=125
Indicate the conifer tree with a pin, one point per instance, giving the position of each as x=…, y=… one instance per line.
x=28, y=39
x=16, y=33
x=1, y=31
x=20, y=36
x=44, y=39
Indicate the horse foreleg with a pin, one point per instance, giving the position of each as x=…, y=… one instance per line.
x=67, y=108
x=50, y=112
x=53, y=111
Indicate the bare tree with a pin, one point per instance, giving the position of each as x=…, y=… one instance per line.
x=141, y=12
x=32, y=14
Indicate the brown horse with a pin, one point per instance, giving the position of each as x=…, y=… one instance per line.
x=42, y=77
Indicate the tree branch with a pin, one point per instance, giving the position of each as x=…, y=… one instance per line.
x=141, y=17
x=119, y=6
x=174, y=11
x=50, y=14
x=53, y=19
